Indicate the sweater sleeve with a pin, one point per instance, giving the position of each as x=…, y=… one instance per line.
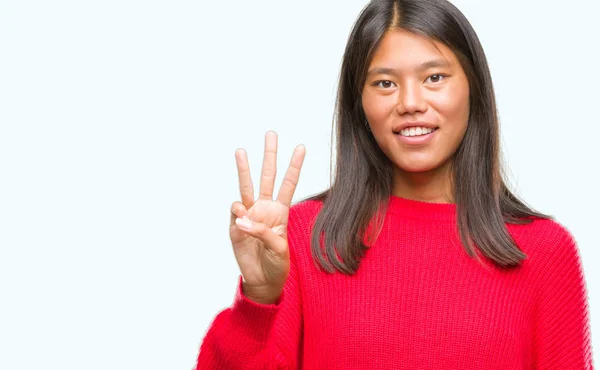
x=562, y=337
x=248, y=335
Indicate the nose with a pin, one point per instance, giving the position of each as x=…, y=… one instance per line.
x=410, y=99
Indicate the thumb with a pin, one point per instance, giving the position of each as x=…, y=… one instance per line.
x=270, y=237
x=238, y=210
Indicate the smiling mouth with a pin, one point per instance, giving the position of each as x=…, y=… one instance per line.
x=416, y=132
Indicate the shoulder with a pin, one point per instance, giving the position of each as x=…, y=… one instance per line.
x=545, y=242
x=543, y=232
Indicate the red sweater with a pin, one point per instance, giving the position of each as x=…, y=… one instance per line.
x=418, y=301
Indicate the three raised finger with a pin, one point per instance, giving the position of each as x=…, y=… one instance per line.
x=246, y=186
x=292, y=175
x=269, y=168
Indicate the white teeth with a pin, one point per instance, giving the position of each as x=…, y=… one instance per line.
x=416, y=131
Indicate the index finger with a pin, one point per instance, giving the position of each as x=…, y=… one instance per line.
x=292, y=175
x=246, y=187
x=269, y=168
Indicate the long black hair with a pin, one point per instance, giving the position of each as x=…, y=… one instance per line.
x=362, y=183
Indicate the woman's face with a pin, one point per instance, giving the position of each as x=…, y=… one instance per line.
x=410, y=83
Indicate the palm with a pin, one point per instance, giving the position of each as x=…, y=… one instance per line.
x=253, y=257
x=263, y=257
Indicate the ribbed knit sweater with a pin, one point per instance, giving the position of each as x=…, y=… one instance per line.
x=417, y=301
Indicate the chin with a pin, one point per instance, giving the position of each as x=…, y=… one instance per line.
x=416, y=169
x=418, y=166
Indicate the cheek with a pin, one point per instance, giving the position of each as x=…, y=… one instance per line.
x=454, y=108
x=377, y=107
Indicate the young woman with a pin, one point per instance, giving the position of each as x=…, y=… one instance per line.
x=418, y=256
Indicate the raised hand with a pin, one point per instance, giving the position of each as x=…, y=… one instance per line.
x=258, y=228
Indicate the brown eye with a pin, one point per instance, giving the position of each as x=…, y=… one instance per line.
x=436, y=78
x=383, y=83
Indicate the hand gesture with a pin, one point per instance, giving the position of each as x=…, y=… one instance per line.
x=258, y=228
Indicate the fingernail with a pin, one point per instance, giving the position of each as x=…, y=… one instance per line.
x=243, y=223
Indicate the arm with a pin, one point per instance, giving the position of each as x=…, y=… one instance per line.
x=562, y=330
x=250, y=335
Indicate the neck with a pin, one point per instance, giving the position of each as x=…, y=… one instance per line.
x=434, y=186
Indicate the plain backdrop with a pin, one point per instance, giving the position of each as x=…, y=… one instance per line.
x=118, y=126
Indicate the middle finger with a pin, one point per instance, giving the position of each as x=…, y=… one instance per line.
x=269, y=168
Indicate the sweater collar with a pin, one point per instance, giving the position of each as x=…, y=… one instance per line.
x=421, y=209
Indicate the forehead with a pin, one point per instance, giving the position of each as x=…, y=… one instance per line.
x=403, y=49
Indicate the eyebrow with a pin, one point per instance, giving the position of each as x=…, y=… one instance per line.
x=424, y=66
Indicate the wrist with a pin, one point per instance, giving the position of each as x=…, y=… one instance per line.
x=261, y=295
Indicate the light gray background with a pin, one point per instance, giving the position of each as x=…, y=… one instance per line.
x=119, y=122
